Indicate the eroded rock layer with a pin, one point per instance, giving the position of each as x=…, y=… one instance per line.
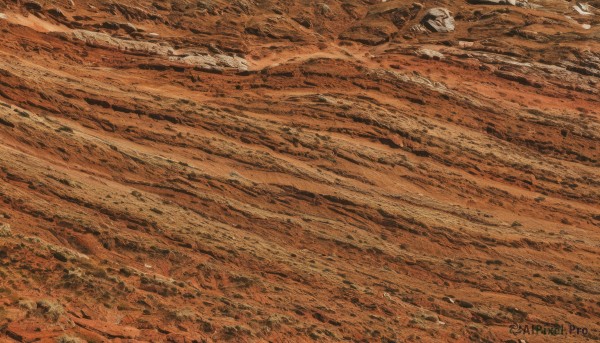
x=290, y=171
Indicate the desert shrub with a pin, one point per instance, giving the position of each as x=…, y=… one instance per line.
x=5, y=231
x=69, y=339
x=183, y=315
x=51, y=309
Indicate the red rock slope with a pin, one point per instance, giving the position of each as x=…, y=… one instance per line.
x=291, y=171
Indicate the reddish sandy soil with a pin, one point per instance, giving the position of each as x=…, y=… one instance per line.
x=338, y=174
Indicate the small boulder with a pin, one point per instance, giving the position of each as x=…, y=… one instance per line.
x=438, y=19
x=111, y=25
x=465, y=304
x=32, y=6
x=582, y=9
x=57, y=13
x=128, y=27
x=430, y=54
x=448, y=300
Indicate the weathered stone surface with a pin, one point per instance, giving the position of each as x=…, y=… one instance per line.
x=110, y=330
x=494, y=2
x=217, y=62
x=104, y=40
x=429, y=54
x=207, y=61
x=370, y=32
x=33, y=6
x=294, y=170
x=438, y=20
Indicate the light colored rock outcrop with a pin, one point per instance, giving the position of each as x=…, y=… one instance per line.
x=202, y=60
x=215, y=62
x=520, y=3
x=106, y=41
x=438, y=20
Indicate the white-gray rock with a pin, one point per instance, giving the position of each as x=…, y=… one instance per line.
x=438, y=19
x=429, y=54
x=582, y=9
x=216, y=62
x=199, y=59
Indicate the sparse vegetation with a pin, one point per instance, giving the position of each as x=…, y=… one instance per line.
x=293, y=170
x=50, y=309
x=69, y=339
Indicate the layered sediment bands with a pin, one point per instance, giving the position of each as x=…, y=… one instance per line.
x=293, y=171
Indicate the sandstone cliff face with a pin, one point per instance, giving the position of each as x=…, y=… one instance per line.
x=290, y=171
